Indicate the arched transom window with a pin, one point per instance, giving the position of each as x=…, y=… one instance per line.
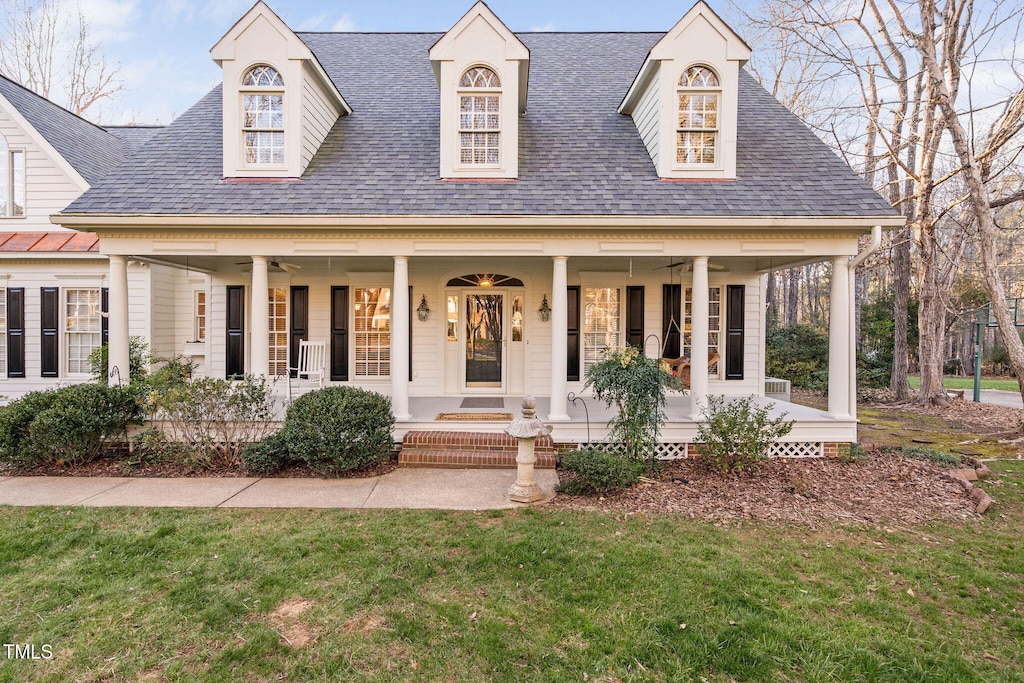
x=263, y=116
x=697, y=126
x=12, y=181
x=479, y=117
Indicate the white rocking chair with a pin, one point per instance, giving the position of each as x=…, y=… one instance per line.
x=311, y=365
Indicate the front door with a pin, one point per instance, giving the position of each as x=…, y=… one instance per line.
x=484, y=342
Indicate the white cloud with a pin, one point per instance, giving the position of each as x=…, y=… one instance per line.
x=546, y=28
x=316, y=23
x=346, y=23
x=109, y=20
x=175, y=11
x=226, y=10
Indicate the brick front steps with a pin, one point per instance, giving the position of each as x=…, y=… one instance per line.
x=471, y=450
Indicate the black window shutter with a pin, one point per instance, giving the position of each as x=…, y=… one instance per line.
x=105, y=318
x=236, y=331
x=573, y=334
x=50, y=343
x=16, y=332
x=671, y=315
x=339, y=334
x=635, y=316
x=734, y=331
x=299, y=330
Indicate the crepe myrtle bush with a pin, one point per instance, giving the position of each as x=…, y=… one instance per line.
x=339, y=429
x=635, y=385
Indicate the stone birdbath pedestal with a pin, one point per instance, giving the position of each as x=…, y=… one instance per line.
x=526, y=429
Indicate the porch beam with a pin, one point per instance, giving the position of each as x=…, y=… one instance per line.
x=118, y=356
x=259, y=342
x=400, y=340
x=839, y=339
x=558, y=411
x=699, y=336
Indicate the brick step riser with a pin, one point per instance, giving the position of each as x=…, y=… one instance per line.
x=473, y=449
x=467, y=459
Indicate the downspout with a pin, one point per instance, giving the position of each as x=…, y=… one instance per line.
x=871, y=248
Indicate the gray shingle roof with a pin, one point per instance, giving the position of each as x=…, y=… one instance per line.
x=133, y=137
x=90, y=150
x=577, y=155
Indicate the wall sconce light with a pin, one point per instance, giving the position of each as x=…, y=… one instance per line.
x=423, y=311
x=545, y=310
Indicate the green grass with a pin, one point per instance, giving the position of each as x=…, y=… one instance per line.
x=534, y=595
x=968, y=383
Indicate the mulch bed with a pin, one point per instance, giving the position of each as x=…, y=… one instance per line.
x=879, y=489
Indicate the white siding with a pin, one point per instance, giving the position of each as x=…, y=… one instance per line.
x=162, y=299
x=646, y=118
x=48, y=188
x=318, y=116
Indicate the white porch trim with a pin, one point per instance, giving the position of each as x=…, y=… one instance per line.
x=699, y=336
x=400, y=340
x=559, y=340
x=839, y=340
x=259, y=347
x=118, y=355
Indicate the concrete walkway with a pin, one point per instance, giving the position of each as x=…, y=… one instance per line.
x=412, y=488
x=1010, y=399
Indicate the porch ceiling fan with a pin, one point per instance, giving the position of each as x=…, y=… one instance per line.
x=283, y=266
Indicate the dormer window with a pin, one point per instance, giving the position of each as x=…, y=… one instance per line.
x=12, y=181
x=697, y=126
x=263, y=116
x=480, y=118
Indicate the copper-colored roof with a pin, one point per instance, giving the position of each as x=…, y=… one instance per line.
x=42, y=242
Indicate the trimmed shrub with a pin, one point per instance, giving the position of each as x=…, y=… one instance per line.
x=267, y=456
x=71, y=424
x=138, y=358
x=597, y=470
x=737, y=433
x=339, y=429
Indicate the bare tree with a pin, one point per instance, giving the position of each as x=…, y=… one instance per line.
x=48, y=50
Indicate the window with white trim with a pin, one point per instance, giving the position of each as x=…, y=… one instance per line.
x=200, y=316
x=12, y=181
x=82, y=328
x=714, y=324
x=480, y=118
x=278, y=339
x=372, y=331
x=3, y=332
x=263, y=116
x=699, y=96
x=601, y=323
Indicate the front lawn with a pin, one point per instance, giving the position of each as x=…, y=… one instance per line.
x=534, y=595
x=1000, y=383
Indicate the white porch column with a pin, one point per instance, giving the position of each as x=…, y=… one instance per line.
x=117, y=322
x=259, y=341
x=400, y=340
x=839, y=339
x=559, y=340
x=852, y=332
x=699, y=336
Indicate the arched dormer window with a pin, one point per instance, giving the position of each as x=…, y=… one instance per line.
x=263, y=116
x=697, y=128
x=479, y=118
x=12, y=181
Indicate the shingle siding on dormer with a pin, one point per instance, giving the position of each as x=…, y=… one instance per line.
x=646, y=118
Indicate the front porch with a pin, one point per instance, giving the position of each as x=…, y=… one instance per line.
x=588, y=419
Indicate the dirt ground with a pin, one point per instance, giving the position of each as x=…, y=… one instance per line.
x=881, y=486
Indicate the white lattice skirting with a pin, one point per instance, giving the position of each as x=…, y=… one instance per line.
x=786, y=449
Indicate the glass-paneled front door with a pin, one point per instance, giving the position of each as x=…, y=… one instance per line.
x=484, y=340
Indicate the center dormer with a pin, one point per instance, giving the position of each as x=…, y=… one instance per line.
x=482, y=72
x=279, y=103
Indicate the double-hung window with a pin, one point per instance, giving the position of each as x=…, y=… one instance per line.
x=12, y=181
x=82, y=328
x=480, y=118
x=263, y=116
x=601, y=323
x=697, y=129
x=278, y=341
x=714, y=325
x=372, y=327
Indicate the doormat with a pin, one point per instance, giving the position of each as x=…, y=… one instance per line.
x=482, y=402
x=471, y=417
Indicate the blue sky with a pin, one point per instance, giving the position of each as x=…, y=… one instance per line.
x=163, y=45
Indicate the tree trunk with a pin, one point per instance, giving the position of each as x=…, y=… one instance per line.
x=901, y=303
x=771, y=303
x=792, y=297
